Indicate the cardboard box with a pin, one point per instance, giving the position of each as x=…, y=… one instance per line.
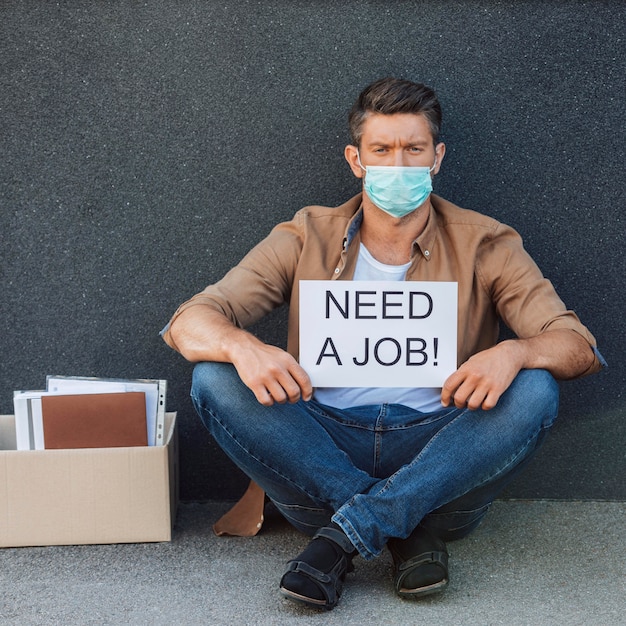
x=85, y=496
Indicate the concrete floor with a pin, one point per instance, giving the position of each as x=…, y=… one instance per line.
x=530, y=563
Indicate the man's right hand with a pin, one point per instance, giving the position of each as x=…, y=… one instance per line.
x=272, y=374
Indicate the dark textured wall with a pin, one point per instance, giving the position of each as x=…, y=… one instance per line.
x=147, y=146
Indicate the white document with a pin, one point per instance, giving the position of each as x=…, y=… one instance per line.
x=378, y=333
x=28, y=420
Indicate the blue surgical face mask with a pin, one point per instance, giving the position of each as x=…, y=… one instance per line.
x=397, y=190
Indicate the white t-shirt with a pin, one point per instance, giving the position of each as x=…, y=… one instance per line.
x=425, y=399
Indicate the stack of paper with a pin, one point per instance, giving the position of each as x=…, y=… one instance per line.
x=78, y=412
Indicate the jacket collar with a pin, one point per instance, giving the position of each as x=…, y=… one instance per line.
x=425, y=242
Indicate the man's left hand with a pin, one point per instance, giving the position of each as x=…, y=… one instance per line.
x=483, y=378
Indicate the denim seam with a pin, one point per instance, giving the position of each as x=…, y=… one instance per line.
x=378, y=440
x=435, y=416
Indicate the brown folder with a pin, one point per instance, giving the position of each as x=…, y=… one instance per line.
x=99, y=420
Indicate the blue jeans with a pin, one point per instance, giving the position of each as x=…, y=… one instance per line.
x=377, y=471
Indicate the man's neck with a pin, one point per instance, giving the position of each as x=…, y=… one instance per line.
x=389, y=239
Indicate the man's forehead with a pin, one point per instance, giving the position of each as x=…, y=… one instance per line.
x=410, y=127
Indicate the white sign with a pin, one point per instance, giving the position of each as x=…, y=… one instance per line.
x=378, y=333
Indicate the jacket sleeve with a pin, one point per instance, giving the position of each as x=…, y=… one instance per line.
x=525, y=300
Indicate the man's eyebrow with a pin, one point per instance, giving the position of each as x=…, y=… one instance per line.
x=386, y=144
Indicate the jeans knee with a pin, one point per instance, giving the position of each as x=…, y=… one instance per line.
x=538, y=392
x=214, y=385
x=210, y=377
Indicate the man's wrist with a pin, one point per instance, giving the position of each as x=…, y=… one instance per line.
x=519, y=352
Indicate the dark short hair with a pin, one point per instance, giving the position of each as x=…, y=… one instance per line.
x=393, y=95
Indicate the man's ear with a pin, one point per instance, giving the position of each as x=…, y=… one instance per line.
x=351, y=153
x=440, y=151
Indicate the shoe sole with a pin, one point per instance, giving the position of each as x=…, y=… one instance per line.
x=420, y=592
x=313, y=602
